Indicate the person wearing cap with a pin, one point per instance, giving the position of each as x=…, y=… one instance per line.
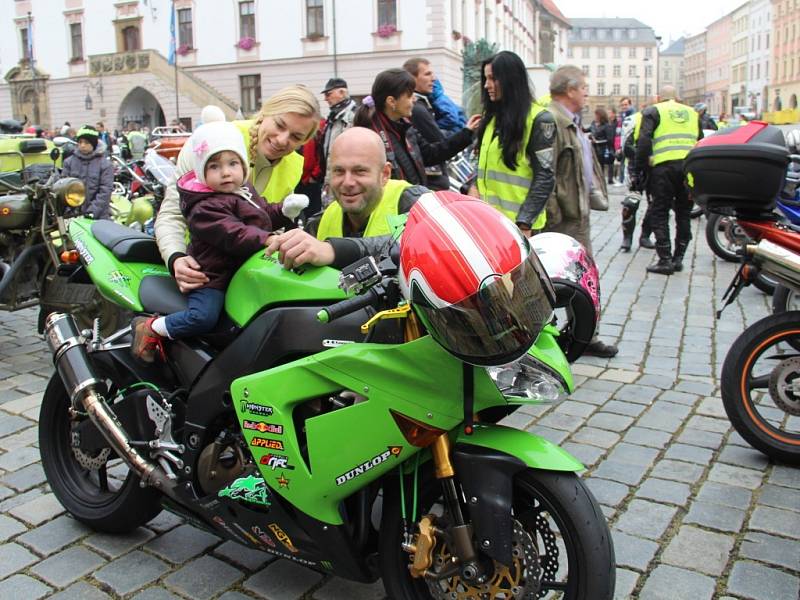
x=340, y=117
x=228, y=222
x=90, y=165
x=286, y=121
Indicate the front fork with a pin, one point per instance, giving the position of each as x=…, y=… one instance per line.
x=464, y=560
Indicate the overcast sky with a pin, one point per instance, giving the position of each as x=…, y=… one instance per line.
x=667, y=18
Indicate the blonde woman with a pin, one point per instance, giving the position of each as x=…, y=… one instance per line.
x=287, y=120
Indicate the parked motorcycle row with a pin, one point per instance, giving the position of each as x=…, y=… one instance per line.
x=749, y=186
x=256, y=431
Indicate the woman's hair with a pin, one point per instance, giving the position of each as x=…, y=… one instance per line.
x=392, y=82
x=510, y=112
x=292, y=99
x=601, y=116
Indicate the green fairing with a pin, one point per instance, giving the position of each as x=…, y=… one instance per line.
x=262, y=282
x=393, y=378
x=536, y=452
x=547, y=351
x=115, y=280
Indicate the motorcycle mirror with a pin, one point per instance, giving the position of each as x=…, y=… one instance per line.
x=54, y=154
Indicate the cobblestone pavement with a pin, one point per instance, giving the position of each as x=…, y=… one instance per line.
x=695, y=512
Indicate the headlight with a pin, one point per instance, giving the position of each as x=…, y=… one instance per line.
x=529, y=379
x=70, y=191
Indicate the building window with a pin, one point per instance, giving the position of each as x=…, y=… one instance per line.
x=76, y=41
x=247, y=19
x=130, y=39
x=617, y=52
x=585, y=52
x=601, y=89
x=648, y=70
x=585, y=69
x=387, y=13
x=251, y=93
x=315, y=26
x=617, y=34
x=570, y=52
x=185, y=28
x=601, y=70
x=632, y=52
x=648, y=53
x=23, y=36
x=601, y=51
x=648, y=90
x=617, y=71
x=633, y=89
x=631, y=70
x=615, y=90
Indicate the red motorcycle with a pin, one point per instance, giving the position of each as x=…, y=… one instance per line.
x=745, y=171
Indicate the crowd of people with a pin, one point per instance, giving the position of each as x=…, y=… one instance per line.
x=535, y=162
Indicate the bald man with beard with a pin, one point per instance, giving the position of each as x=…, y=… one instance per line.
x=362, y=189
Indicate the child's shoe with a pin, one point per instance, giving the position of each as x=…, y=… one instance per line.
x=146, y=342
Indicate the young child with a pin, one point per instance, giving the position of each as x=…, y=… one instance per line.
x=228, y=222
x=90, y=165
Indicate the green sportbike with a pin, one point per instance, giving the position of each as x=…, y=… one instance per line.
x=322, y=426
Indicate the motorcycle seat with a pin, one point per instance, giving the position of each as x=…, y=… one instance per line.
x=127, y=245
x=160, y=294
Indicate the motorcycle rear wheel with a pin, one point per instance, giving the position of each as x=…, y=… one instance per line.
x=757, y=386
x=107, y=498
x=568, y=529
x=724, y=236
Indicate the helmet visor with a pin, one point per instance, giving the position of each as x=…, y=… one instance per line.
x=499, y=322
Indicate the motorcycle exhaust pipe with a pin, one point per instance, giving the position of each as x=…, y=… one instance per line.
x=778, y=261
x=86, y=392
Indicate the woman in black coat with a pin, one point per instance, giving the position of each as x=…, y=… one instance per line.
x=387, y=111
x=603, y=132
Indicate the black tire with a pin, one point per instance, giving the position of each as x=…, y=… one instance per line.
x=784, y=299
x=763, y=421
x=724, y=236
x=113, y=510
x=561, y=498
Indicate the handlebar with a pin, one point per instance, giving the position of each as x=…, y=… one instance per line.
x=350, y=305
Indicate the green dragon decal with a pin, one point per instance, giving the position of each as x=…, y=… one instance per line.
x=250, y=489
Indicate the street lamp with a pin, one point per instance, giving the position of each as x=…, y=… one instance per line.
x=98, y=87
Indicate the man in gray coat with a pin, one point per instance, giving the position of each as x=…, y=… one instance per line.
x=340, y=117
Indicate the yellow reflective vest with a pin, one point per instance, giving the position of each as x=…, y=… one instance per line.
x=331, y=224
x=676, y=133
x=505, y=188
x=285, y=174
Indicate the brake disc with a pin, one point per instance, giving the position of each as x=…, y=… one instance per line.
x=784, y=386
x=89, y=462
x=519, y=581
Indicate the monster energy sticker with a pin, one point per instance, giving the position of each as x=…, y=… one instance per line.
x=326, y=564
x=118, y=277
x=369, y=464
x=249, y=489
x=263, y=427
x=84, y=252
x=256, y=409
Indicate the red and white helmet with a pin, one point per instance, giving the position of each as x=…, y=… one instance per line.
x=472, y=278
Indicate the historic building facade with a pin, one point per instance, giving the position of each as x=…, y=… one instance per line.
x=89, y=60
x=694, y=69
x=718, y=65
x=785, y=72
x=619, y=57
x=758, y=59
x=671, y=64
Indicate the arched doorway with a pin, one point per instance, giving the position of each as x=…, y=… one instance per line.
x=141, y=106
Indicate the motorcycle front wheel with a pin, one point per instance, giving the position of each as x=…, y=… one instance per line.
x=760, y=386
x=97, y=488
x=562, y=546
